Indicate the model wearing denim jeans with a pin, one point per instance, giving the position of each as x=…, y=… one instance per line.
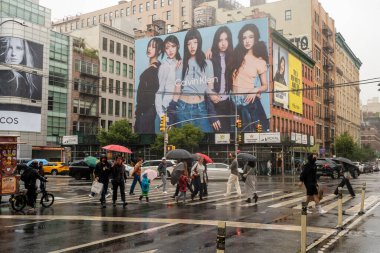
x=186, y=111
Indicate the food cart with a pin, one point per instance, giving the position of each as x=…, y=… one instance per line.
x=9, y=179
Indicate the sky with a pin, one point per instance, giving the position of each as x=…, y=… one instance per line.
x=355, y=20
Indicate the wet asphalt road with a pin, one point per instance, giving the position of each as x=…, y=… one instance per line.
x=76, y=223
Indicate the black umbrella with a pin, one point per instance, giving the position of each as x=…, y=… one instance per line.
x=177, y=172
x=245, y=157
x=178, y=154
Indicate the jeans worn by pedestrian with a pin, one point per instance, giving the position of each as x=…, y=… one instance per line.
x=187, y=111
x=198, y=188
x=136, y=178
x=163, y=185
x=345, y=181
x=104, y=192
x=115, y=185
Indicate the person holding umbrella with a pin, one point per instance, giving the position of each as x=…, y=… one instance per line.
x=250, y=173
x=234, y=177
x=119, y=178
x=136, y=176
x=198, y=178
x=345, y=181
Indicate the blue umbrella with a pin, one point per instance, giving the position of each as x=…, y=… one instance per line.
x=44, y=161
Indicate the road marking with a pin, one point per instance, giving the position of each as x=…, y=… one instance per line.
x=240, y=200
x=285, y=203
x=295, y=228
x=210, y=195
x=113, y=238
x=367, y=202
x=272, y=199
x=325, y=199
x=23, y=224
x=212, y=200
x=335, y=203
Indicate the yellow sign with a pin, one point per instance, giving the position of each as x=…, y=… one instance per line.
x=295, y=84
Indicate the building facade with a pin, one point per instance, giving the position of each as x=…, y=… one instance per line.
x=348, y=90
x=27, y=22
x=370, y=136
x=372, y=106
x=116, y=56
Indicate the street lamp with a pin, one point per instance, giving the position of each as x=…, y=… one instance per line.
x=15, y=21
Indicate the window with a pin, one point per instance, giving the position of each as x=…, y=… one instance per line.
x=121, y=12
x=154, y=4
x=104, y=84
x=118, y=48
x=125, y=51
x=100, y=19
x=141, y=8
x=162, y=3
x=110, y=107
x=105, y=17
x=131, y=53
x=125, y=69
x=76, y=84
x=112, y=46
x=147, y=6
x=88, y=21
x=103, y=106
x=103, y=124
x=168, y=15
x=117, y=108
x=124, y=109
x=111, y=66
x=130, y=90
x=128, y=11
x=316, y=18
x=117, y=87
x=117, y=68
x=134, y=9
x=154, y=17
x=130, y=109
x=110, y=85
x=124, y=89
x=94, y=20
x=105, y=42
x=116, y=14
x=288, y=15
x=130, y=72
x=169, y=2
x=183, y=11
x=109, y=124
x=104, y=64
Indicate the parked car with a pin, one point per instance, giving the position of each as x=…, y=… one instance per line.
x=327, y=167
x=368, y=168
x=153, y=164
x=128, y=169
x=56, y=168
x=360, y=166
x=221, y=171
x=79, y=170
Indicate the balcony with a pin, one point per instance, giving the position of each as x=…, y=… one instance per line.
x=87, y=113
x=339, y=71
x=328, y=66
x=328, y=85
x=328, y=48
x=326, y=31
x=329, y=100
x=89, y=90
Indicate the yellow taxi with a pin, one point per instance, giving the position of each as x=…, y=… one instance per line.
x=56, y=168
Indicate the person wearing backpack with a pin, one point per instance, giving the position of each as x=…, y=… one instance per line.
x=145, y=183
x=29, y=177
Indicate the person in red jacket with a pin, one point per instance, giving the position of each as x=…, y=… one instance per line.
x=182, y=185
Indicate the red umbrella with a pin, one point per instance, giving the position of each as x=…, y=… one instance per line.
x=206, y=158
x=117, y=148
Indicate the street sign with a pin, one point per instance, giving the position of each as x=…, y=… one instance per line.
x=311, y=140
x=262, y=137
x=70, y=140
x=298, y=138
x=304, y=139
x=222, y=138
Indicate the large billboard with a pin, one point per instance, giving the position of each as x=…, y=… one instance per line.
x=287, y=80
x=202, y=76
x=18, y=51
x=17, y=117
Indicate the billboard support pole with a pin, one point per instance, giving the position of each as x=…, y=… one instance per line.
x=236, y=132
x=166, y=137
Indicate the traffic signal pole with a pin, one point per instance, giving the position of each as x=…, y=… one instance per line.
x=236, y=132
x=166, y=137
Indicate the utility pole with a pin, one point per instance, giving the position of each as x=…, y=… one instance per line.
x=236, y=132
x=164, y=129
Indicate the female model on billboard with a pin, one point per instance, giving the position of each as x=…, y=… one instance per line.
x=249, y=77
x=193, y=83
x=167, y=77
x=16, y=51
x=280, y=73
x=148, y=87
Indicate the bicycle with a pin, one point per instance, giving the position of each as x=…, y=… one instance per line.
x=18, y=201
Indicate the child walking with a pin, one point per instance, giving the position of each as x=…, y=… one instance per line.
x=145, y=183
x=182, y=185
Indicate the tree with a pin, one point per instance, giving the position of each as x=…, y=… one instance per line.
x=186, y=137
x=344, y=145
x=119, y=133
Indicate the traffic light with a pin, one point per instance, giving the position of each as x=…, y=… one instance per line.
x=170, y=148
x=259, y=128
x=239, y=139
x=238, y=122
x=163, y=123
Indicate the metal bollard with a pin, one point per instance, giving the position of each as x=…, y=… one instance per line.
x=303, y=227
x=221, y=237
x=363, y=198
x=340, y=208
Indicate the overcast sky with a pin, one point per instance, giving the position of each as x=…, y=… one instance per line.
x=356, y=20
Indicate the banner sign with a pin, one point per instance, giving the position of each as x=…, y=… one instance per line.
x=222, y=138
x=262, y=137
x=20, y=121
x=304, y=139
x=70, y=140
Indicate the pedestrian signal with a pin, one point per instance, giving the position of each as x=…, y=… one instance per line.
x=239, y=138
x=163, y=123
x=170, y=148
x=259, y=128
x=238, y=122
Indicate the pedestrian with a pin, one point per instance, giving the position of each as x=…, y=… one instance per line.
x=269, y=167
x=162, y=173
x=198, y=178
x=186, y=173
x=345, y=181
x=250, y=173
x=234, y=177
x=145, y=183
x=41, y=172
x=308, y=177
x=119, y=178
x=204, y=186
x=29, y=177
x=182, y=185
x=102, y=175
x=136, y=176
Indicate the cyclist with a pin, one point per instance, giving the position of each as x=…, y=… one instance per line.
x=29, y=177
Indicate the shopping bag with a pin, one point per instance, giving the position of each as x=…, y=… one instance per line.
x=96, y=187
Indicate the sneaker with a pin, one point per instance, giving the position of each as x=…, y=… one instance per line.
x=226, y=195
x=248, y=200
x=131, y=193
x=309, y=211
x=165, y=192
x=256, y=197
x=125, y=204
x=320, y=210
x=90, y=195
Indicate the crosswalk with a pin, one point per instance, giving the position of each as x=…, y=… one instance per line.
x=271, y=199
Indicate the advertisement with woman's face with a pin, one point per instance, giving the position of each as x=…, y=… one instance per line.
x=18, y=51
x=201, y=76
x=280, y=76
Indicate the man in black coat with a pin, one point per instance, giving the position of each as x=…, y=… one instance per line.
x=308, y=177
x=102, y=175
x=119, y=177
x=30, y=177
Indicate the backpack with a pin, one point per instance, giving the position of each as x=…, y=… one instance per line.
x=26, y=175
